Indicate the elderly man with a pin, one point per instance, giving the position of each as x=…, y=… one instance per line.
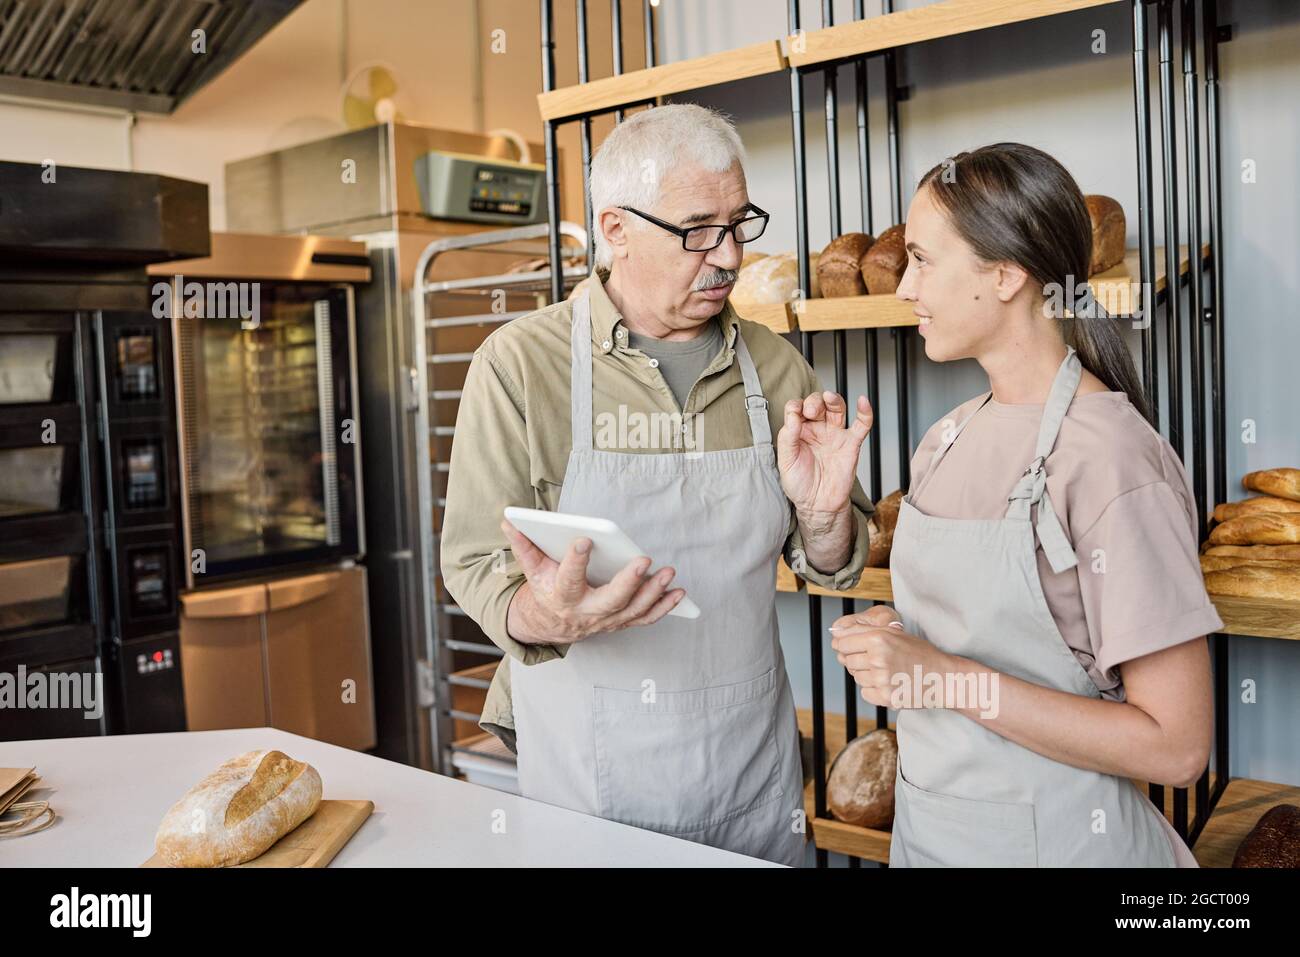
x=685, y=726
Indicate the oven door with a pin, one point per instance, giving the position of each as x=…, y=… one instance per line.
x=269, y=433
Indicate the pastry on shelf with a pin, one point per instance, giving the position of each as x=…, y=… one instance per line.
x=839, y=268
x=770, y=280
x=881, y=526
x=1108, y=232
x=860, y=787
x=1274, y=841
x=885, y=262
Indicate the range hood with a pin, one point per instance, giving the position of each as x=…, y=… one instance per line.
x=125, y=54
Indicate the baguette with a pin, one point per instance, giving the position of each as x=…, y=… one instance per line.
x=1253, y=506
x=238, y=811
x=1284, y=483
x=1259, y=553
x=1263, y=528
x=1216, y=563
x=1279, y=580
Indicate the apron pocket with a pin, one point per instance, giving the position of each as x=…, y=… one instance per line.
x=941, y=830
x=686, y=760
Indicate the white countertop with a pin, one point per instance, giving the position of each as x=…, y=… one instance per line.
x=111, y=793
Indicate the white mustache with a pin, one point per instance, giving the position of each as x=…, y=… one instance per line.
x=720, y=277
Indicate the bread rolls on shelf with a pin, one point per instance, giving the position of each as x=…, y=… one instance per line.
x=1283, y=483
x=1258, y=553
x=238, y=811
x=1108, y=232
x=769, y=280
x=1215, y=563
x=885, y=262
x=860, y=787
x=1262, y=528
x=1252, y=506
x=1276, y=580
x=881, y=529
x=839, y=268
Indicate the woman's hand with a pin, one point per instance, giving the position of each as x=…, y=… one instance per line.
x=875, y=649
x=817, y=456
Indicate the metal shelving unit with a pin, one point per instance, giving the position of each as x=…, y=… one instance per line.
x=854, y=43
x=451, y=318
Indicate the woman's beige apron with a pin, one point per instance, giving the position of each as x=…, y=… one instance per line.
x=966, y=796
x=685, y=726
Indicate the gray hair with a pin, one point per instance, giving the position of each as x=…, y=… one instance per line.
x=628, y=167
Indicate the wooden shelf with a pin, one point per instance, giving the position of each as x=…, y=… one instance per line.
x=1259, y=617
x=776, y=316
x=787, y=580
x=613, y=92
x=1243, y=802
x=944, y=19
x=1113, y=289
x=852, y=312
x=1239, y=809
x=874, y=585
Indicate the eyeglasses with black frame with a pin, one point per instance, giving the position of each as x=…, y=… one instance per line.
x=699, y=239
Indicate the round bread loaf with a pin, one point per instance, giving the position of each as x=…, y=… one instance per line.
x=1108, y=229
x=860, y=789
x=839, y=270
x=771, y=280
x=238, y=811
x=1284, y=483
x=1274, y=841
x=885, y=262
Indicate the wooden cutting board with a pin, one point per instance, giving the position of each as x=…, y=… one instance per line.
x=314, y=842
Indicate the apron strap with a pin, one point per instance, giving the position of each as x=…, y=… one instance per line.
x=755, y=402
x=1031, y=489
x=580, y=373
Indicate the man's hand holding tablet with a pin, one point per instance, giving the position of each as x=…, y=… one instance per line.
x=558, y=605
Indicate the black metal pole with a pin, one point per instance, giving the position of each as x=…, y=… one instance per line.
x=1210, y=32
x=899, y=333
x=585, y=130
x=649, y=33
x=1173, y=229
x=1196, y=264
x=868, y=227
x=616, y=29
x=806, y=343
x=552, y=157
x=1146, y=212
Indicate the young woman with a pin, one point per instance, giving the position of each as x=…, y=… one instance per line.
x=1044, y=564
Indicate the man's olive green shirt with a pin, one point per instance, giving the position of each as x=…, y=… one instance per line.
x=513, y=438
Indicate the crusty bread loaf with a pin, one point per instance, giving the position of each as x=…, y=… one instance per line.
x=238, y=811
x=1216, y=563
x=1262, y=528
x=860, y=788
x=1274, y=841
x=1284, y=483
x=839, y=269
x=1259, y=553
x=881, y=529
x=771, y=280
x=1279, y=580
x=885, y=262
x=1108, y=231
x=1250, y=506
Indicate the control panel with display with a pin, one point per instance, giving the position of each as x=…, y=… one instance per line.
x=472, y=188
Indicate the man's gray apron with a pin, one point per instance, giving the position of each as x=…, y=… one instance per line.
x=966, y=796
x=685, y=726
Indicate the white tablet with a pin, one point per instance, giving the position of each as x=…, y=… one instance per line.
x=611, y=548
